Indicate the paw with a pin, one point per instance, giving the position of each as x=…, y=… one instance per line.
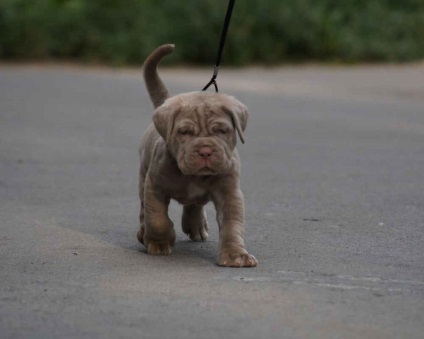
x=236, y=259
x=159, y=247
x=196, y=231
x=199, y=233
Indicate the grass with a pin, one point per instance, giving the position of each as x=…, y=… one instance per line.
x=267, y=32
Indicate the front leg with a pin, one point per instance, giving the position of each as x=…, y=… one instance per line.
x=229, y=204
x=159, y=234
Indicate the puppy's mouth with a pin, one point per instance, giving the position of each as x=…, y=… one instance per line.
x=205, y=171
x=203, y=160
x=200, y=166
x=198, y=169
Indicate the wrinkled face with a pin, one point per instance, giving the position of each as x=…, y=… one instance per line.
x=201, y=133
x=203, y=142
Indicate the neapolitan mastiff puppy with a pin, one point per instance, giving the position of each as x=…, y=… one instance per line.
x=188, y=154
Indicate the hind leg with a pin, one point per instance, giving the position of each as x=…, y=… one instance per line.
x=194, y=222
x=140, y=233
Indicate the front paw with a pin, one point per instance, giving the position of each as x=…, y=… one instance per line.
x=159, y=245
x=237, y=259
x=159, y=248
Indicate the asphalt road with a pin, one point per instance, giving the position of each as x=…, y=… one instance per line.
x=333, y=177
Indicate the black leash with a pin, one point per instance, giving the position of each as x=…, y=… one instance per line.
x=221, y=46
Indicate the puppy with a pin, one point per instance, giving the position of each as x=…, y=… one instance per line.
x=188, y=154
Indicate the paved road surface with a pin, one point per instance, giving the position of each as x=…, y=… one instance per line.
x=333, y=175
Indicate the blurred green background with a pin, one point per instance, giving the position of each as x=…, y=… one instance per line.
x=261, y=32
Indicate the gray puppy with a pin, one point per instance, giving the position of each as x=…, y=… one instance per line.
x=188, y=154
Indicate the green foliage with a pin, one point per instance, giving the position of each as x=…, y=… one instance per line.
x=269, y=31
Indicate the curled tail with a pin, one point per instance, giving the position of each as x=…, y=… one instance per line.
x=157, y=90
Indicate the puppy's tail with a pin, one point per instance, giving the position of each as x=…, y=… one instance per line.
x=157, y=90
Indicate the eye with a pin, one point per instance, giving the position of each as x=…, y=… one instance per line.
x=222, y=131
x=185, y=132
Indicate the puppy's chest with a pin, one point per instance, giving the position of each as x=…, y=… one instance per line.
x=190, y=193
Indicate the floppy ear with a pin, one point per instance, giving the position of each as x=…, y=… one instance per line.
x=163, y=118
x=239, y=115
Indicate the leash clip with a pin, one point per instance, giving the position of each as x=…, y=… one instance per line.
x=221, y=46
x=213, y=80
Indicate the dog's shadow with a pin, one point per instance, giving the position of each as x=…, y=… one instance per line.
x=192, y=253
x=185, y=250
x=123, y=235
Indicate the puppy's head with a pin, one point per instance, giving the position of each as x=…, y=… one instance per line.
x=200, y=130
